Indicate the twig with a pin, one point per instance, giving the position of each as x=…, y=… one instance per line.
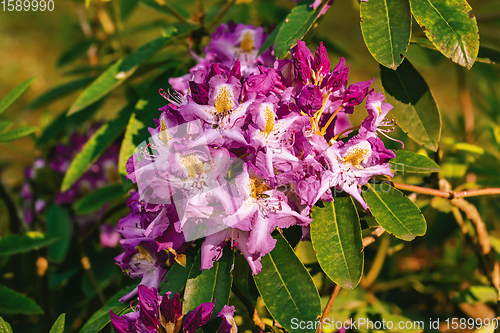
x=172, y=10
x=219, y=16
x=377, y=264
x=446, y=194
x=466, y=103
x=373, y=236
x=328, y=307
x=88, y=268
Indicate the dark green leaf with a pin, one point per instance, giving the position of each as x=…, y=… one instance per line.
x=179, y=8
x=58, y=326
x=128, y=146
x=74, y=52
x=270, y=39
x=286, y=287
x=97, y=200
x=386, y=28
x=95, y=146
x=210, y=284
x=18, y=133
x=32, y=240
x=101, y=318
x=5, y=326
x=123, y=68
x=407, y=161
x=414, y=106
x=14, y=302
x=60, y=91
x=58, y=220
x=15, y=94
x=450, y=26
x=295, y=26
x=127, y=7
x=69, y=123
x=177, y=276
x=395, y=212
x=336, y=238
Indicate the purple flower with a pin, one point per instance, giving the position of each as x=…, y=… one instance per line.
x=228, y=324
x=310, y=99
x=198, y=317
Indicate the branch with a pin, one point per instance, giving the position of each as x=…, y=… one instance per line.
x=446, y=194
x=223, y=11
x=373, y=236
x=172, y=10
x=328, y=307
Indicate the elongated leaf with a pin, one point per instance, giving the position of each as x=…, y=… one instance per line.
x=32, y=240
x=128, y=146
x=286, y=287
x=336, y=238
x=123, y=69
x=60, y=91
x=407, y=161
x=58, y=220
x=270, y=39
x=101, y=317
x=74, y=52
x=18, y=133
x=177, y=276
x=95, y=146
x=14, y=302
x=127, y=7
x=395, y=212
x=97, y=199
x=450, y=26
x=414, y=106
x=5, y=326
x=295, y=26
x=386, y=28
x=4, y=125
x=209, y=285
x=68, y=123
x=58, y=326
x=15, y=94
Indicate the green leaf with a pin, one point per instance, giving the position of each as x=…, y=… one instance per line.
x=101, y=317
x=128, y=146
x=68, y=123
x=270, y=39
x=32, y=240
x=18, y=133
x=407, y=161
x=58, y=326
x=5, y=326
x=414, y=107
x=97, y=199
x=74, y=52
x=15, y=94
x=60, y=91
x=386, y=28
x=295, y=26
x=127, y=7
x=395, y=212
x=286, y=287
x=450, y=26
x=336, y=238
x=4, y=125
x=177, y=276
x=474, y=294
x=15, y=303
x=207, y=285
x=95, y=146
x=58, y=220
x=179, y=8
x=123, y=69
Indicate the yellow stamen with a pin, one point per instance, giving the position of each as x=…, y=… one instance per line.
x=269, y=118
x=192, y=164
x=257, y=186
x=223, y=101
x=357, y=154
x=246, y=44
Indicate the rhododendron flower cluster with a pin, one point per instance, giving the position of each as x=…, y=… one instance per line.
x=103, y=172
x=245, y=146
